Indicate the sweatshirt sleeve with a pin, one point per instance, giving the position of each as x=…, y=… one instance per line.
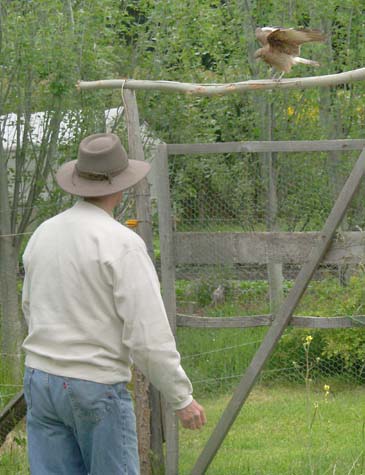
x=146, y=330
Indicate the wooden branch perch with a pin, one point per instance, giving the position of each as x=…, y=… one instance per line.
x=230, y=88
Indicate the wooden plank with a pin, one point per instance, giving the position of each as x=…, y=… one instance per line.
x=195, y=321
x=201, y=248
x=266, y=146
x=12, y=413
x=144, y=229
x=328, y=322
x=282, y=318
x=168, y=290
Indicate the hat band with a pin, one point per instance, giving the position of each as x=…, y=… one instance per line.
x=99, y=176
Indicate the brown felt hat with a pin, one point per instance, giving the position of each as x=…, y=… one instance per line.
x=102, y=168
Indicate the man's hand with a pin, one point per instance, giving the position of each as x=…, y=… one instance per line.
x=192, y=416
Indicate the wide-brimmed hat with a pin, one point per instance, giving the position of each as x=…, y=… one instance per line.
x=102, y=168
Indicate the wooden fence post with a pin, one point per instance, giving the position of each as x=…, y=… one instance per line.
x=141, y=385
x=274, y=269
x=168, y=289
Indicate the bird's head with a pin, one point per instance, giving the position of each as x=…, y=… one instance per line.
x=257, y=55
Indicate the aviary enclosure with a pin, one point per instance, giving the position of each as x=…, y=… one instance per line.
x=186, y=249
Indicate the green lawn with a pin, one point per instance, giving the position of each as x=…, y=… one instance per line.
x=272, y=435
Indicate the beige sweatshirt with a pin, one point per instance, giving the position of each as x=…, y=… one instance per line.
x=91, y=298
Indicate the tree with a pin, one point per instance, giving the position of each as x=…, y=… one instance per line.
x=44, y=49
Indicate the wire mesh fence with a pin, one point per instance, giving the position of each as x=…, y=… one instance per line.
x=230, y=193
x=316, y=369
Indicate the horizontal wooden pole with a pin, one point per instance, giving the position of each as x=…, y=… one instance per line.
x=267, y=146
x=195, y=321
x=200, y=248
x=228, y=88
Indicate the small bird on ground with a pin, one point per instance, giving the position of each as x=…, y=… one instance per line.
x=281, y=46
x=218, y=296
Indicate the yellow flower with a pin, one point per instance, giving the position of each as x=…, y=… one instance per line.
x=326, y=387
x=291, y=110
x=308, y=339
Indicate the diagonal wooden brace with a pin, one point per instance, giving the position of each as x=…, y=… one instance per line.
x=282, y=317
x=12, y=413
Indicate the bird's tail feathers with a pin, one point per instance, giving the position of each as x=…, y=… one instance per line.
x=298, y=60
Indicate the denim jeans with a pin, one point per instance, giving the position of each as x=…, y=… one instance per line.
x=78, y=427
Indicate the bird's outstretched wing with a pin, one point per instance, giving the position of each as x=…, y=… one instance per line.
x=263, y=33
x=288, y=40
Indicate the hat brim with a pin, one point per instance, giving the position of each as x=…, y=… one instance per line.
x=68, y=179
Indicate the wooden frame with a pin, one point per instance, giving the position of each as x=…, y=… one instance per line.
x=186, y=247
x=262, y=247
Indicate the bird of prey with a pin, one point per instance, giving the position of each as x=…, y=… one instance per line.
x=281, y=46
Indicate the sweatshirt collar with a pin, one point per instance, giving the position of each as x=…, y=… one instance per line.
x=90, y=207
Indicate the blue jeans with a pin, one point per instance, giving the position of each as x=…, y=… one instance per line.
x=78, y=427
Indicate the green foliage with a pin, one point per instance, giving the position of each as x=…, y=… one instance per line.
x=215, y=358
x=210, y=42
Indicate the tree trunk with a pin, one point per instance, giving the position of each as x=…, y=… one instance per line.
x=11, y=325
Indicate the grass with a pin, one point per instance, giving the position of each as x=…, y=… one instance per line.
x=272, y=435
x=281, y=430
x=13, y=456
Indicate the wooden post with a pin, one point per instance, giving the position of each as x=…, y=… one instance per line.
x=12, y=413
x=143, y=208
x=274, y=269
x=168, y=289
x=282, y=318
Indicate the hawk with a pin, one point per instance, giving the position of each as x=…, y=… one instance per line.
x=281, y=46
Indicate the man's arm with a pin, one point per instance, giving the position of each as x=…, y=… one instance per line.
x=148, y=335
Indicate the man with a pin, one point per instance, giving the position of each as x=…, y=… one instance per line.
x=92, y=302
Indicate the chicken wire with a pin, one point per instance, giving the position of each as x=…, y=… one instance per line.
x=231, y=193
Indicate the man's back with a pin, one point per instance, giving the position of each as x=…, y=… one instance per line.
x=73, y=324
